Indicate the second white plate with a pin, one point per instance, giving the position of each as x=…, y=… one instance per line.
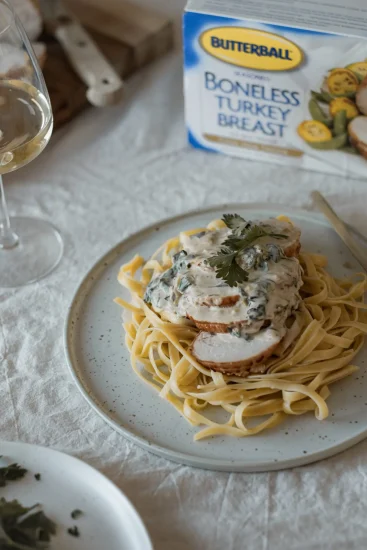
x=108, y=519
x=100, y=364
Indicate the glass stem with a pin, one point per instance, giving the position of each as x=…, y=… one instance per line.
x=8, y=239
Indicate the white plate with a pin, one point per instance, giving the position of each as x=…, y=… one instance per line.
x=100, y=365
x=108, y=521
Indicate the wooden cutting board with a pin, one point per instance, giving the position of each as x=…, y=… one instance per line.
x=129, y=36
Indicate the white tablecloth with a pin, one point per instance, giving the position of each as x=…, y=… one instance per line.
x=109, y=173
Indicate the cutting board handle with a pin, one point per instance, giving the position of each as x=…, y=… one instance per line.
x=105, y=87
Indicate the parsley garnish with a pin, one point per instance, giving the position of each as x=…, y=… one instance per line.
x=11, y=473
x=37, y=477
x=244, y=234
x=75, y=514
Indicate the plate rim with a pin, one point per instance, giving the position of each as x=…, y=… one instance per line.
x=118, y=493
x=176, y=456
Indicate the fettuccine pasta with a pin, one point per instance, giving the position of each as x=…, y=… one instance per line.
x=328, y=331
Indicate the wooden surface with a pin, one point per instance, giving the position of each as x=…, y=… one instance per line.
x=129, y=37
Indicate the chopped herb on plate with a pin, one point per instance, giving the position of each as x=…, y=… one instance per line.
x=24, y=528
x=11, y=473
x=74, y=531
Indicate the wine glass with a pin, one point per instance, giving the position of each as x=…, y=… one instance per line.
x=30, y=248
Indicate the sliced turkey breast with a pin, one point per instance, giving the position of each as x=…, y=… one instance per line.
x=206, y=243
x=361, y=97
x=291, y=245
x=357, y=130
x=234, y=355
x=268, y=294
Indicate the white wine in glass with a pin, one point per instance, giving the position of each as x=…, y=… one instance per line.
x=30, y=248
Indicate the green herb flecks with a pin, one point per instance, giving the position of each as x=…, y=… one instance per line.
x=184, y=283
x=75, y=514
x=244, y=234
x=11, y=473
x=24, y=528
x=74, y=531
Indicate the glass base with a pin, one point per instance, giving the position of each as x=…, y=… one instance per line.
x=37, y=253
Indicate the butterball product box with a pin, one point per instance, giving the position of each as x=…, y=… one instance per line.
x=279, y=81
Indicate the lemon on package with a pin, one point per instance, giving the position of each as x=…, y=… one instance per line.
x=343, y=104
x=359, y=69
x=314, y=131
x=342, y=82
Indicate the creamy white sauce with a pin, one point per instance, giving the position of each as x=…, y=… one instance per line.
x=191, y=288
x=205, y=244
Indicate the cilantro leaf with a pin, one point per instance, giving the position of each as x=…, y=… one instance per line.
x=243, y=235
x=253, y=233
x=232, y=274
x=225, y=258
x=233, y=243
x=236, y=223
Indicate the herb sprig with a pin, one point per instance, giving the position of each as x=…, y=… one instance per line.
x=243, y=235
